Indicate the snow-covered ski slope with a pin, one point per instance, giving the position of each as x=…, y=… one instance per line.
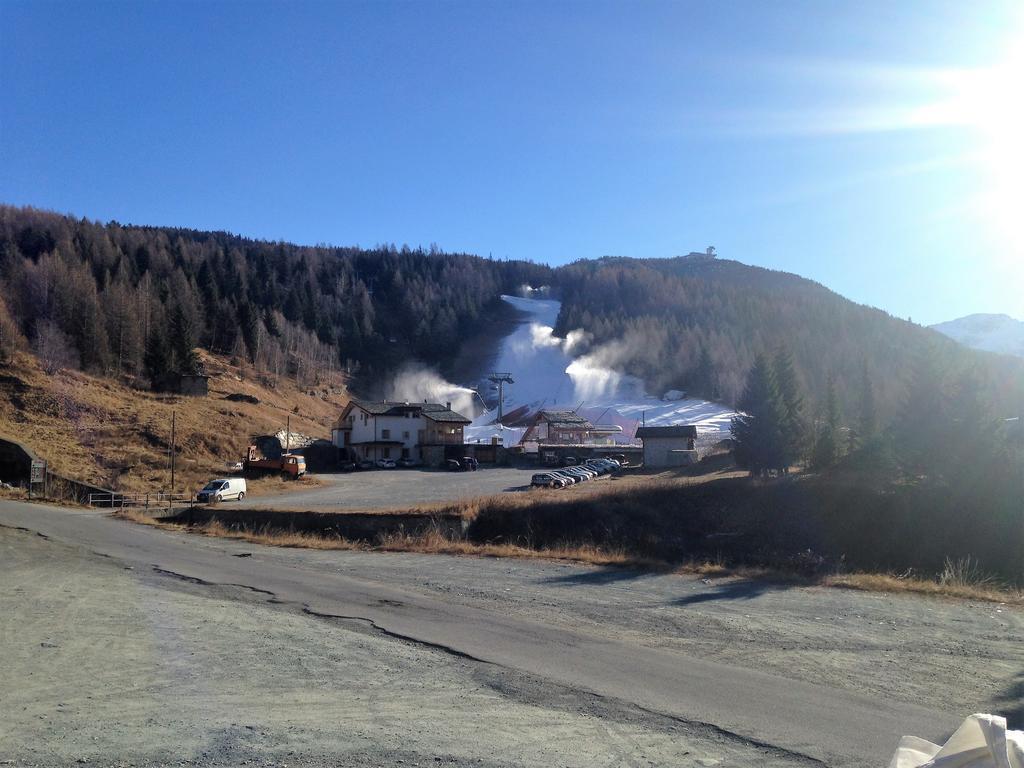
x=548, y=375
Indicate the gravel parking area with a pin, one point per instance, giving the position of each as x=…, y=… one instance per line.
x=383, y=488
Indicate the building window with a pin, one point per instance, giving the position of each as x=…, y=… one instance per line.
x=405, y=435
x=385, y=434
x=386, y=453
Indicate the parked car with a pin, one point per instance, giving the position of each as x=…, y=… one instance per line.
x=348, y=466
x=470, y=464
x=569, y=461
x=222, y=489
x=386, y=463
x=452, y=465
x=568, y=478
x=586, y=474
x=547, y=480
x=407, y=462
x=620, y=459
x=367, y=464
x=579, y=477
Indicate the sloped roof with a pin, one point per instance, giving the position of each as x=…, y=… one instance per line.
x=441, y=413
x=679, y=430
x=385, y=407
x=564, y=420
x=433, y=411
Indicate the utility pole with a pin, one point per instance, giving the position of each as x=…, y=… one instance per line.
x=174, y=415
x=501, y=379
x=288, y=434
x=1018, y=422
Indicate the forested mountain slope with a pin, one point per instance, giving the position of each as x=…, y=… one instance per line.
x=135, y=301
x=697, y=324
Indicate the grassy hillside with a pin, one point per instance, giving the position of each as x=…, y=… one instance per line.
x=96, y=429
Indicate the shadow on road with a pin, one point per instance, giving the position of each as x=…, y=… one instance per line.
x=599, y=577
x=735, y=590
x=1012, y=703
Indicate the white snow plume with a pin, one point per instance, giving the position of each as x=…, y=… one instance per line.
x=531, y=292
x=576, y=341
x=547, y=377
x=597, y=375
x=542, y=336
x=416, y=383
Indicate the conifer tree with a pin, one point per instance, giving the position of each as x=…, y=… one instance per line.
x=921, y=430
x=758, y=431
x=183, y=341
x=867, y=417
x=794, y=426
x=826, y=447
x=705, y=381
x=158, y=360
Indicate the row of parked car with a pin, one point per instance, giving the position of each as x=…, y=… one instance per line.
x=352, y=466
x=566, y=476
x=465, y=464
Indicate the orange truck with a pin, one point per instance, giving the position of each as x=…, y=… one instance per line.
x=288, y=465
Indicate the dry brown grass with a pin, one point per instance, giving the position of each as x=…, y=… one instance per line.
x=897, y=584
x=104, y=432
x=429, y=542
x=19, y=494
x=435, y=543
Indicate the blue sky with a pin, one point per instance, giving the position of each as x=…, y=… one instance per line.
x=840, y=141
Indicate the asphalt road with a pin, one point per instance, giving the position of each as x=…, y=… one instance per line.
x=385, y=488
x=800, y=720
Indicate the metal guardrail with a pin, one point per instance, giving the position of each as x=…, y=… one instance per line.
x=159, y=500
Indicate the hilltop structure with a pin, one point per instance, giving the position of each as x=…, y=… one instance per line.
x=709, y=253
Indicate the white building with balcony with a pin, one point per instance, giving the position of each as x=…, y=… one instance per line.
x=384, y=429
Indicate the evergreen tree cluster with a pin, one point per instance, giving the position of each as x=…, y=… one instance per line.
x=698, y=325
x=771, y=432
x=137, y=301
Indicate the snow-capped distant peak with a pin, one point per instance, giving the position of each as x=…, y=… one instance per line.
x=992, y=333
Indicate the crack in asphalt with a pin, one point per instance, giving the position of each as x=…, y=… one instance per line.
x=455, y=652
x=725, y=733
x=205, y=583
x=399, y=636
x=25, y=530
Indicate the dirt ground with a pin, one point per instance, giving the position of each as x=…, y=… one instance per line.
x=109, y=665
x=105, y=665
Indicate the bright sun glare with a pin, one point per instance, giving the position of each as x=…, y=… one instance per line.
x=987, y=102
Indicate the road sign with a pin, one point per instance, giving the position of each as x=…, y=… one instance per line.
x=38, y=474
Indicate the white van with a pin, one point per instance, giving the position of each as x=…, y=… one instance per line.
x=222, y=490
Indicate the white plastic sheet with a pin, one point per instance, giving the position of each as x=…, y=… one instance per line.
x=981, y=742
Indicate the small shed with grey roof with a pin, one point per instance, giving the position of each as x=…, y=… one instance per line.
x=672, y=446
